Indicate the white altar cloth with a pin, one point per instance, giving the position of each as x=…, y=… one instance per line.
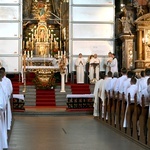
x=19, y=96
x=80, y=96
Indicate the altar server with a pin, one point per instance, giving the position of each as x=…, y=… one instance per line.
x=107, y=62
x=96, y=61
x=97, y=94
x=146, y=93
x=80, y=67
x=111, y=85
x=107, y=79
x=119, y=83
x=8, y=89
x=3, y=126
x=143, y=84
x=132, y=90
x=127, y=83
x=113, y=64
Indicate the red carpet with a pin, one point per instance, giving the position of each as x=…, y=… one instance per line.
x=16, y=86
x=45, y=98
x=80, y=89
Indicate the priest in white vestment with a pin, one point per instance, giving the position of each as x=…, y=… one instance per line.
x=8, y=89
x=3, y=132
x=107, y=62
x=94, y=60
x=113, y=64
x=80, y=67
x=97, y=94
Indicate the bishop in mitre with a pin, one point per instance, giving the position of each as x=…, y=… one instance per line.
x=80, y=67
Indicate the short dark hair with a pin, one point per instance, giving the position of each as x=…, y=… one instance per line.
x=109, y=74
x=133, y=80
x=124, y=70
x=2, y=69
x=147, y=72
x=142, y=73
x=130, y=74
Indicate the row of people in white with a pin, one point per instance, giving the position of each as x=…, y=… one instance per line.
x=5, y=108
x=126, y=84
x=111, y=65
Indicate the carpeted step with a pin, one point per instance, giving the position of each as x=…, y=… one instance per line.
x=80, y=89
x=45, y=97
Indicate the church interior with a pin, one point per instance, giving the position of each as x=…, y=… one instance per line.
x=41, y=44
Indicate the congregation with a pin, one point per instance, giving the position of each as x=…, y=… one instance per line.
x=128, y=84
x=6, y=90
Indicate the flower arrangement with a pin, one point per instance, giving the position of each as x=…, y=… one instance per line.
x=62, y=65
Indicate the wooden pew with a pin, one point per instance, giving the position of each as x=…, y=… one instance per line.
x=100, y=108
x=143, y=122
x=123, y=109
x=113, y=109
x=148, y=126
x=118, y=112
x=135, y=118
x=105, y=107
x=108, y=106
x=130, y=111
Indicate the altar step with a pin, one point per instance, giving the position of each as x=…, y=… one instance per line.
x=80, y=89
x=30, y=95
x=61, y=96
x=45, y=97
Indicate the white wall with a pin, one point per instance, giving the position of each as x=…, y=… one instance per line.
x=11, y=35
x=91, y=29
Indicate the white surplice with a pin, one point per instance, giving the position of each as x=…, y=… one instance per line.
x=97, y=92
x=3, y=132
x=8, y=89
x=80, y=67
x=107, y=64
x=133, y=89
x=114, y=65
x=91, y=68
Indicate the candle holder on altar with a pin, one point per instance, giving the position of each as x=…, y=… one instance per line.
x=94, y=65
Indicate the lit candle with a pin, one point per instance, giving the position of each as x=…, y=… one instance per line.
x=64, y=53
x=28, y=54
x=52, y=37
x=58, y=53
x=31, y=54
x=27, y=44
x=24, y=52
x=23, y=44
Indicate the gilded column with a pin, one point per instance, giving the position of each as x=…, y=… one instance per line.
x=139, y=63
x=139, y=45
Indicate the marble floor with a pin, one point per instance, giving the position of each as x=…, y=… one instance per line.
x=36, y=132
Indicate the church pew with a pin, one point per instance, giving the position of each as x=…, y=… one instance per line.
x=106, y=107
x=113, y=109
x=109, y=108
x=143, y=119
x=135, y=118
x=118, y=112
x=123, y=109
x=100, y=108
x=130, y=110
x=148, y=126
